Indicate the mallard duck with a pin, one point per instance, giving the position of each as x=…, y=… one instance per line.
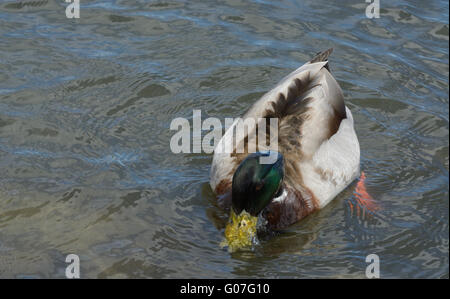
x=316, y=155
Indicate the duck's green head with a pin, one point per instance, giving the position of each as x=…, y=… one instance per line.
x=254, y=185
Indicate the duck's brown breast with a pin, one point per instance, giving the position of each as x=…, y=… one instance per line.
x=289, y=210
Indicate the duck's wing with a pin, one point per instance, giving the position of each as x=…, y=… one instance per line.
x=309, y=106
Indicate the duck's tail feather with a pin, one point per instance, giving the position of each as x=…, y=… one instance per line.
x=323, y=56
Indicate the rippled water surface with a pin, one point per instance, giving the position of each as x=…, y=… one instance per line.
x=85, y=112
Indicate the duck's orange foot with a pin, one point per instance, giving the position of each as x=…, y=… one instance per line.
x=364, y=201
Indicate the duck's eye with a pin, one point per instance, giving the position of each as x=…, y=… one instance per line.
x=259, y=186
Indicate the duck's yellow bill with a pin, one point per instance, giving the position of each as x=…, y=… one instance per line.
x=240, y=231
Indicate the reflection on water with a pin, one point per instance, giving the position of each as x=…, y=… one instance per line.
x=85, y=111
